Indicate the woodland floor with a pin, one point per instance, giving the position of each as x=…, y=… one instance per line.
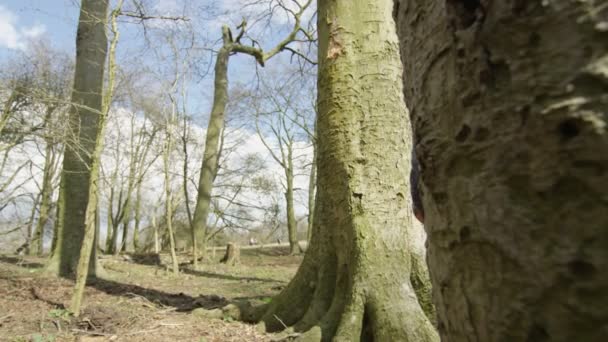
x=139, y=300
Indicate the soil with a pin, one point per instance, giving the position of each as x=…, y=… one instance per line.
x=137, y=298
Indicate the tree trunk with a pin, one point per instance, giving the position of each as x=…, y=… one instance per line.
x=292, y=227
x=212, y=142
x=110, y=222
x=354, y=281
x=509, y=109
x=169, y=197
x=156, y=242
x=114, y=249
x=46, y=193
x=232, y=256
x=187, y=195
x=136, y=246
x=89, y=243
x=84, y=118
x=30, y=226
x=312, y=183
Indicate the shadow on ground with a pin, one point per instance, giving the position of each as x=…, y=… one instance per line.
x=21, y=262
x=227, y=277
x=180, y=301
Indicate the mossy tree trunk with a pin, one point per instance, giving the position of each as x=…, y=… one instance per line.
x=83, y=134
x=89, y=242
x=212, y=151
x=509, y=109
x=354, y=282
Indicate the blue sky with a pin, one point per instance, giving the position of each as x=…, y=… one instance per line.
x=55, y=21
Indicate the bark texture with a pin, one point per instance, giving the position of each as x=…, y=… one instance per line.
x=509, y=103
x=354, y=282
x=84, y=117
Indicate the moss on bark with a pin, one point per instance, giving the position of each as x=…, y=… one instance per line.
x=354, y=282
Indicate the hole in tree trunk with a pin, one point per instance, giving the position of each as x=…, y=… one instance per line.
x=569, y=129
x=463, y=134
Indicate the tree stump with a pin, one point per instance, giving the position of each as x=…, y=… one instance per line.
x=232, y=256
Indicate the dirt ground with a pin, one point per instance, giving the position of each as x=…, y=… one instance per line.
x=138, y=299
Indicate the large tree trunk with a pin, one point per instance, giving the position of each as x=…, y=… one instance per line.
x=509, y=109
x=212, y=152
x=354, y=282
x=84, y=117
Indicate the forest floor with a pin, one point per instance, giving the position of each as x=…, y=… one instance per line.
x=136, y=299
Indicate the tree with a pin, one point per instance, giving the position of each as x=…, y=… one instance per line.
x=354, y=282
x=85, y=116
x=509, y=110
x=277, y=108
x=211, y=156
x=37, y=84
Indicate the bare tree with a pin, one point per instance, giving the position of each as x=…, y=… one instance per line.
x=232, y=45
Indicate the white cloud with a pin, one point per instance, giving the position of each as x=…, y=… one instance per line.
x=11, y=35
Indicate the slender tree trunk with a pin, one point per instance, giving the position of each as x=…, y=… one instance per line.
x=509, y=102
x=30, y=225
x=354, y=282
x=110, y=222
x=84, y=118
x=114, y=249
x=136, y=245
x=292, y=228
x=169, y=199
x=125, y=227
x=212, y=152
x=187, y=195
x=59, y=211
x=46, y=193
x=312, y=184
x=156, y=242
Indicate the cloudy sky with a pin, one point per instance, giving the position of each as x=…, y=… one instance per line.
x=55, y=21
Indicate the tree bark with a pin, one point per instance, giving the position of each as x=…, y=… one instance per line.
x=212, y=152
x=84, y=118
x=509, y=109
x=354, y=282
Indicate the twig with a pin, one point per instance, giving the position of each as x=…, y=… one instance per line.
x=278, y=319
x=95, y=333
x=143, y=331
